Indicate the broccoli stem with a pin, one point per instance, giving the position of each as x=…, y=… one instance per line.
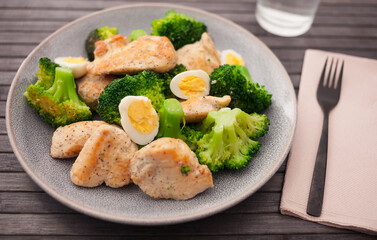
x=171, y=114
x=64, y=87
x=230, y=136
x=217, y=142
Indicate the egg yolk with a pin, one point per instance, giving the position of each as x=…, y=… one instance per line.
x=74, y=60
x=192, y=86
x=142, y=116
x=233, y=59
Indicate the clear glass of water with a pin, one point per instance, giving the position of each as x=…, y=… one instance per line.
x=287, y=18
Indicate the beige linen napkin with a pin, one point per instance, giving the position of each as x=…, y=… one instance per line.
x=350, y=197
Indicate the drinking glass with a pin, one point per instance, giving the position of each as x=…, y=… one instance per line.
x=287, y=18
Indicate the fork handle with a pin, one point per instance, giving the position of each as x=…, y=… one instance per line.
x=315, y=200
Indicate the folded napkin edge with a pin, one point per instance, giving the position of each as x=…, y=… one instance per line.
x=285, y=205
x=331, y=223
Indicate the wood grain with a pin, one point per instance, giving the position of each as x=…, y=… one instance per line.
x=2, y=108
x=9, y=163
x=336, y=236
x=221, y=224
x=4, y=144
x=26, y=212
x=6, y=77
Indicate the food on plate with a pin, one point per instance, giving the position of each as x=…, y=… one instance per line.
x=105, y=158
x=98, y=34
x=234, y=80
x=54, y=96
x=167, y=168
x=77, y=64
x=189, y=84
x=68, y=141
x=135, y=34
x=139, y=119
x=229, y=138
x=200, y=55
x=197, y=109
x=231, y=57
x=117, y=55
x=90, y=87
x=146, y=83
x=179, y=28
x=170, y=115
x=46, y=73
x=191, y=136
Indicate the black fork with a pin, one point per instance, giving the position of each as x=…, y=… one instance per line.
x=328, y=94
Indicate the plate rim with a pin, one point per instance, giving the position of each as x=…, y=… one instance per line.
x=150, y=221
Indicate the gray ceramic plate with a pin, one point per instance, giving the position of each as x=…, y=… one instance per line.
x=31, y=137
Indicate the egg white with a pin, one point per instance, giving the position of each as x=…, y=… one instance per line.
x=133, y=133
x=78, y=69
x=225, y=52
x=174, y=84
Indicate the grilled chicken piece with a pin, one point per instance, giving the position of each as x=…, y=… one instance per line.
x=167, y=168
x=197, y=109
x=68, y=141
x=116, y=55
x=105, y=158
x=90, y=87
x=199, y=55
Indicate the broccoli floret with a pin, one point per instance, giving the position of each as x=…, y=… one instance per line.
x=46, y=73
x=227, y=140
x=137, y=33
x=106, y=32
x=146, y=83
x=96, y=35
x=235, y=80
x=191, y=136
x=54, y=96
x=185, y=169
x=179, y=28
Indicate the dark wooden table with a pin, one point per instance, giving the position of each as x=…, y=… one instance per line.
x=345, y=26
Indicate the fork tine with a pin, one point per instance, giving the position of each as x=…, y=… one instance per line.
x=339, y=84
x=329, y=75
x=332, y=83
x=322, y=79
